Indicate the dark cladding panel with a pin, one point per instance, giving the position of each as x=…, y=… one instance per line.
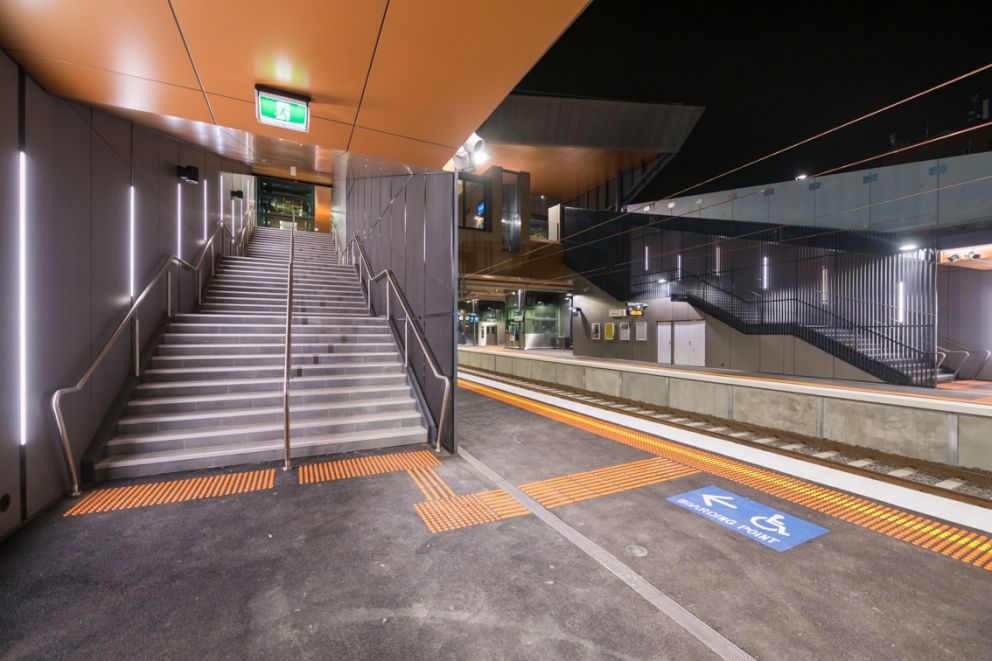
x=9, y=416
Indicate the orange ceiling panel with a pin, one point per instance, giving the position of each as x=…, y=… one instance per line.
x=564, y=172
x=102, y=87
x=134, y=37
x=398, y=148
x=318, y=48
x=442, y=67
x=241, y=114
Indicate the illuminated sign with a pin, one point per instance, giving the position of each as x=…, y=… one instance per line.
x=282, y=110
x=635, y=312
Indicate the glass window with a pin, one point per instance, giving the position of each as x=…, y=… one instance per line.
x=474, y=198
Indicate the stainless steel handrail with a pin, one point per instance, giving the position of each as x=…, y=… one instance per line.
x=164, y=270
x=289, y=344
x=408, y=321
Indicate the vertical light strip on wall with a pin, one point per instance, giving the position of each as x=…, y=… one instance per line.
x=220, y=199
x=22, y=284
x=179, y=221
x=717, y=269
x=678, y=267
x=130, y=224
x=764, y=273
x=824, y=286
x=646, y=258
x=901, y=303
x=234, y=227
x=204, y=210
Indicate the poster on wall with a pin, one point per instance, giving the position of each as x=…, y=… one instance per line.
x=624, y=331
x=641, y=331
x=594, y=331
x=609, y=331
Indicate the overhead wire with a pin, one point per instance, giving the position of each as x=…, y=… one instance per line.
x=514, y=261
x=669, y=218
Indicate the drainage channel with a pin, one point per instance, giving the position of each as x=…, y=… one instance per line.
x=959, y=484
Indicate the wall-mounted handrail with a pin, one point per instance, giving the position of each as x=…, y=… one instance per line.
x=408, y=322
x=289, y=346
x=165, y=270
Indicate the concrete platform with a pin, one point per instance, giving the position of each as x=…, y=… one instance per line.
x=931, y=424
x=346, y=569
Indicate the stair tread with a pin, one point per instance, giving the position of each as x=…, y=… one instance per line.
x=230, y=397
x=162, y=456
x=207, y=432
x=263, y=410
x=162, y=385
x=245, y=368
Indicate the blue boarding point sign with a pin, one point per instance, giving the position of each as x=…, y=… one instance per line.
x=774, y=529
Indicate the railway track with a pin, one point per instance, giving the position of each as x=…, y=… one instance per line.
x=968, y=486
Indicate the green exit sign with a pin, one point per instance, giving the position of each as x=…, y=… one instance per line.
x=282, y=110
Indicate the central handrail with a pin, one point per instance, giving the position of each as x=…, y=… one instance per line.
x=409, y=317
x=163, y=270
x=289, y=344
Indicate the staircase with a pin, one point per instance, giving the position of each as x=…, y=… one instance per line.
x=867, y=348
x=212, y=394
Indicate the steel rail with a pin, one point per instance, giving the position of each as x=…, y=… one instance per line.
x=408, y=321
x=165, y=270
x=289, y=344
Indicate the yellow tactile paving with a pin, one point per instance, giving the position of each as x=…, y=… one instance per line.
x=363, y=466
x=873, y=516
x=173, y=491
x=471, y=510
x=577, y=487
x=430, y=483
x=442, y=513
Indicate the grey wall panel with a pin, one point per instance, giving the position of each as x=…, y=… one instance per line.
x=406, y=224
x=80, y=164
x=9, y=336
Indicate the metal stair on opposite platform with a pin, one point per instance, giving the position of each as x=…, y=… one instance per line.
x=212, y=394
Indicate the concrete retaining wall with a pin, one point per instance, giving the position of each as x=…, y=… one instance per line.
x=946, y=431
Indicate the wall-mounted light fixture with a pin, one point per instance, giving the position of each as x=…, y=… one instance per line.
x=901, y=304
x=764, y=273
x=130, y=268
x=907, y=247
x=22, y=285
x=204, y=210
x=189, y=174
x=471, y=154
x=179, y=221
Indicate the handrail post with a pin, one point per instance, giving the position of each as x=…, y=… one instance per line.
x=287, y=466
x=406, y=341
x=137, y=347
x=387, y=299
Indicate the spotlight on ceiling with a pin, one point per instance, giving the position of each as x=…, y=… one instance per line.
x=470, y=154
x=906, y=247
x=800, y=177
x=974, y=255
x=953, y=258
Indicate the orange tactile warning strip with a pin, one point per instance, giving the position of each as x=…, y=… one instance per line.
x=175, y=491
x=443, y=513
x=430, y=483
x=577, y=487
x=363, y=466
x=962, y=545
x=471, y=510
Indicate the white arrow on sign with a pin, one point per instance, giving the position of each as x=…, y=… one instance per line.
x=722, y=500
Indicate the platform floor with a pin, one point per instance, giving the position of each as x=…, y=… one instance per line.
x=971, y=391
x=407, y=557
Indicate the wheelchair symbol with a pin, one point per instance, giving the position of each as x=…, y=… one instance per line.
x=770, y=523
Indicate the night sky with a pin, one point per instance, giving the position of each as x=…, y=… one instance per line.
x=770, y=75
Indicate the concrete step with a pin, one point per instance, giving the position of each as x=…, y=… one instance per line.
x=380, y=343
x=271, y=359
x=220, y=386
x=177, y=439
x=279, y=319
x=196, y=421
x=260, y=371
x=157, y=463
x=246, y=400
